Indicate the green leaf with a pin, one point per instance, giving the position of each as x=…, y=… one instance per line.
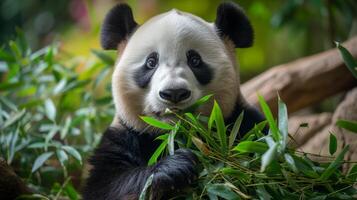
x=158, y=152
x=60, y=86
x=200, y=145
x=8, y=103
x=262, y=193
x=198, y=103
x=251, y=147
x=13, y=119
x=10, y=86
x=220, y=126
x=71, y=192
x=334, y=165
x=283, y=122
x=171, y=138
x=269, y=156
x=256, y=131
x=103, y=74
x=62, y=156
x=41, y=160
x=37, y=145
x=269, y=116
x=50, y=135
x=290, y=160
x=65, y=128
x=156, y=123
x=305, y=167
x=50, y=109
x=223, y=191
x=352, y=174
x=235, y=130
x=105, y=57
x=235, y=172
x=15, y=49
x=145, y=191
x=32, y=197
x=333, y=144
x=348, y=58
x=73, y=152
x=348, y=125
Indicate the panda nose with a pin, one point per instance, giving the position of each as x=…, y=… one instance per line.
x=175, y=95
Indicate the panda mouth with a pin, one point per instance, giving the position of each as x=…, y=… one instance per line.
x=167, y=112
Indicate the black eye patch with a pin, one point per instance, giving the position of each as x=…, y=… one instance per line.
x=199, y=68
x=143, y=75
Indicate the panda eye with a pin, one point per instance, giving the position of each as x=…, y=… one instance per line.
x=193, y=58
x=195, y=61
x=151, y=61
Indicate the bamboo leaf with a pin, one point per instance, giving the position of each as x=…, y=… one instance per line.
x=171, y=138
x=50, y=109
x=352, y=174
x=158, y=152
x=198, y=103
x=268, y=157
x=223, y=191
x=290, y=160
x=235, y=130
x=269, y=116
x=348, y=58
x=348, y=125
x=73, y=152
x=62, y=156
x=251, y=147
x=283, y=122
x=105, y=57
x=145, y=191
x=41, y=160
x=221, y=129
x=13, y=119
x=200, y=145
x=333, y=144
x=71, y=192
x=334, y=165
x=156, y=123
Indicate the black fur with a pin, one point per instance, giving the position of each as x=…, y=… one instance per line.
x=118, y=25
x=119, y=164
x=202, y=72
x=120, y=167
x=143, y=75
x=251, y=117
x=233, y=23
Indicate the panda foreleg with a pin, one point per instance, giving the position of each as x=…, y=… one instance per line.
x=120, y=170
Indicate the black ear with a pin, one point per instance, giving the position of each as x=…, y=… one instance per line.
x=233, y=23
x=118, y=25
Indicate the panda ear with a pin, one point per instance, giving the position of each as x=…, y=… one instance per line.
x=231, y=22
x=118, y=24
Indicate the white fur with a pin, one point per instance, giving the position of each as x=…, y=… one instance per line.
x=171, y=35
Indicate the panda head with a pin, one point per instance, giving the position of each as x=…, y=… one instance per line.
x=174, y=59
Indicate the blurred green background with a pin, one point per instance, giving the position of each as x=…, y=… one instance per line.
x=284, y=29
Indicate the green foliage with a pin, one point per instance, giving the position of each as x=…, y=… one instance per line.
x=350, y=62
x=333, y=144
x=50, y=114
x=257, y=166
x=348, y=125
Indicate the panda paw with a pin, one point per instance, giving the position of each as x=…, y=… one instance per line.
x=175, y=172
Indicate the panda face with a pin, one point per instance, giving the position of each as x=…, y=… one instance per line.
x=170, y=62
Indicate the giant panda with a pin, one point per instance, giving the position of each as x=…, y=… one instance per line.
x=170, y=61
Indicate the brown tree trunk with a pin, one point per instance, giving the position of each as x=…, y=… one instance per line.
x=11, y=186
x=303, y=82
